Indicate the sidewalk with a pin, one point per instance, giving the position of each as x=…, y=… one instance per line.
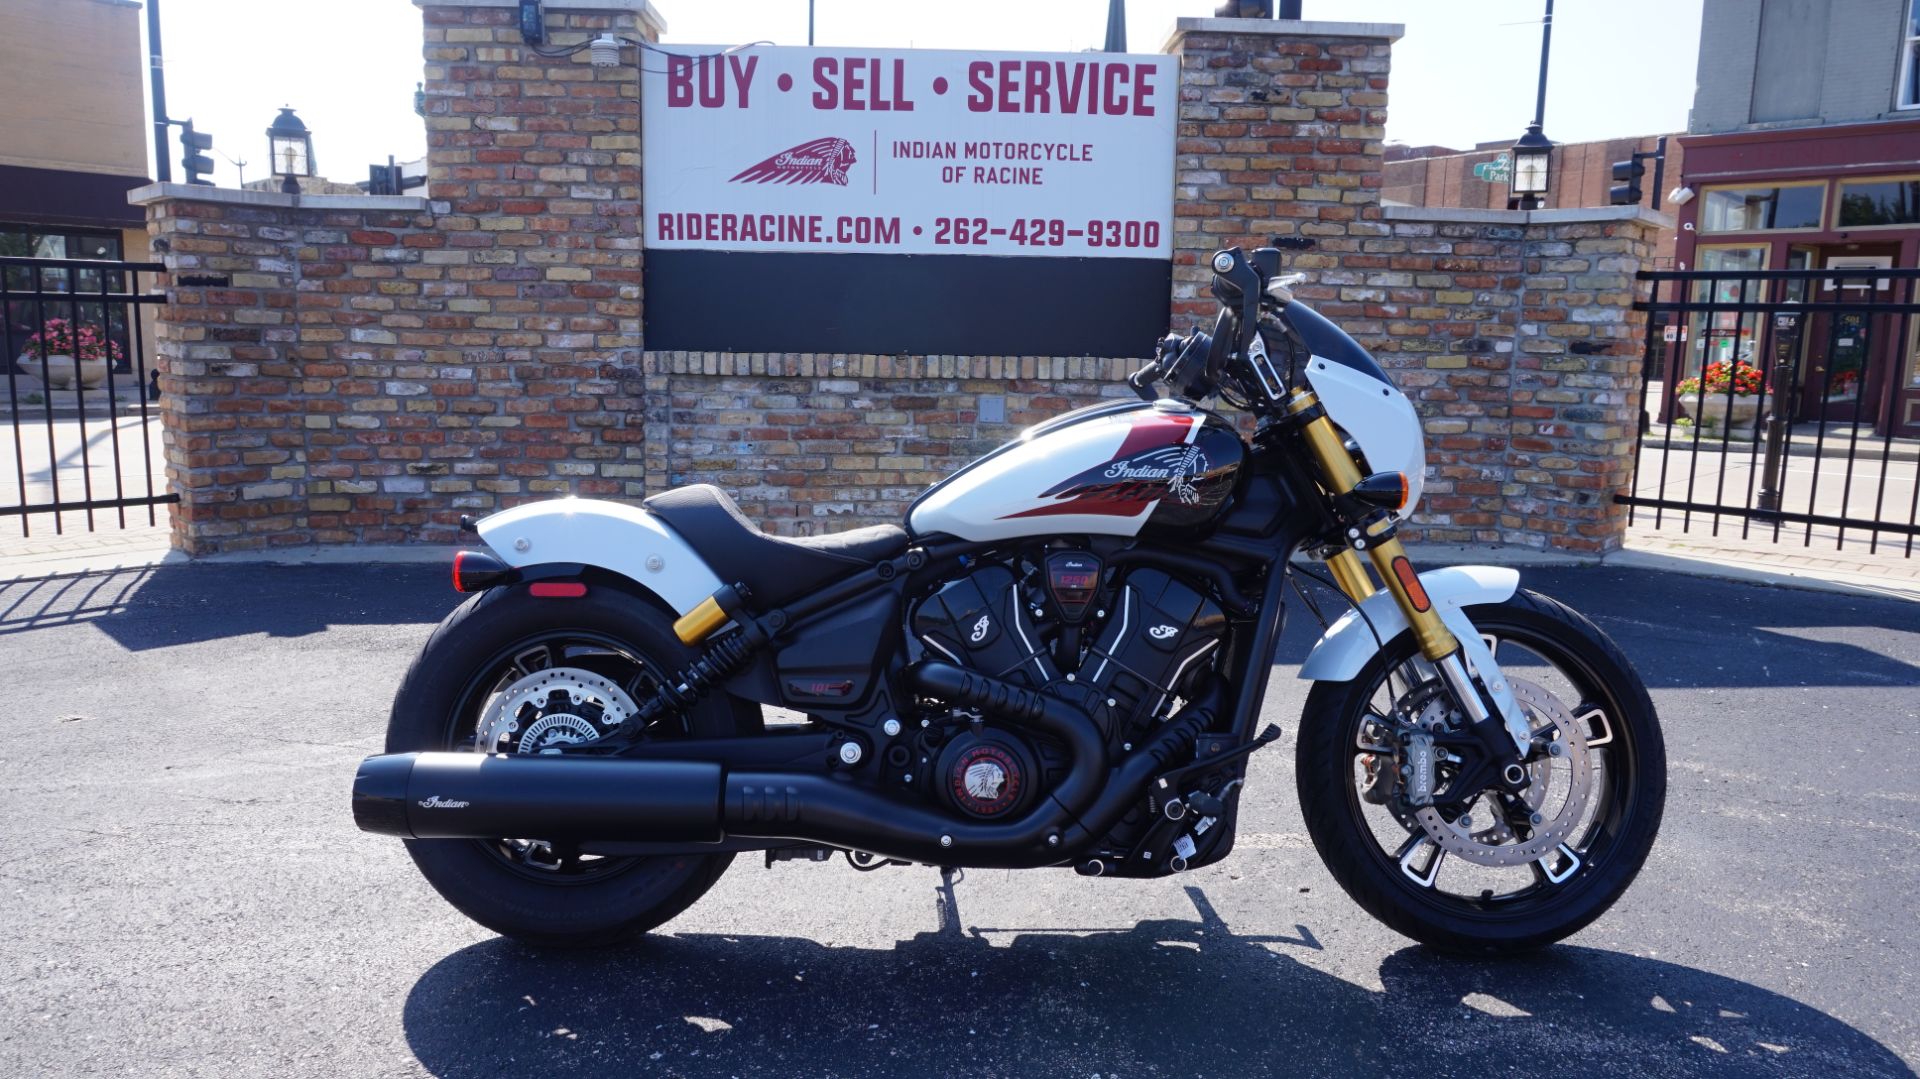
x=76, y=550
x=1885, y=571
x=1839, y=441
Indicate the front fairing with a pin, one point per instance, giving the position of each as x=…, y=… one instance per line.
x=1362, y=400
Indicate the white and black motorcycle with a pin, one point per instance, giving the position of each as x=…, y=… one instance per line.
x=1058, y=661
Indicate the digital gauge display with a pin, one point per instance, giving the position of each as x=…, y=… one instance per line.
x=1073, y=580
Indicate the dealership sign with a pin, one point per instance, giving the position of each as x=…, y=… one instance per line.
x=935, y=152
x=1035, y=162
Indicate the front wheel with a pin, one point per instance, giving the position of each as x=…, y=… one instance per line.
x=1493, y=870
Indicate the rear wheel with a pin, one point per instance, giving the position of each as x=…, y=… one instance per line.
x=1488, y=871
x=508, y=672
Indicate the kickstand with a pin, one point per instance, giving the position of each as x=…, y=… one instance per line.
x=947, y=907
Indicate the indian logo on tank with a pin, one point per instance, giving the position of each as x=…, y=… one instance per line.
x=1154, y=462
x=822, y=161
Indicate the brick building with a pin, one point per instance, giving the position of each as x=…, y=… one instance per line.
x=1440, y=176
x=73, y=142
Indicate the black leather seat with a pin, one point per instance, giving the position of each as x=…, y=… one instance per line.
x=775, y=568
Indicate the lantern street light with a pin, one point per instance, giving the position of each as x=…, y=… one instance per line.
x=1533, y=154
x=1532, y=167
x=290, y=150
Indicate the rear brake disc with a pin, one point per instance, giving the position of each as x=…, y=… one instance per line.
x=593, y=704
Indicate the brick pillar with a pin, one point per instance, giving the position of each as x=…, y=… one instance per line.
x=536, y=160
x=1515, y=335
x=1281, y=133
x=358, y=370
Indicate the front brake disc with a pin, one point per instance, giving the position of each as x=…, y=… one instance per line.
x=1498, y=844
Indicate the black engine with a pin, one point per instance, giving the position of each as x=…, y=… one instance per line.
x=1132, y=640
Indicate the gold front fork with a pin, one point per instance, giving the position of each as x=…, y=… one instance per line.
x=1350, y=574
x=1388, y=556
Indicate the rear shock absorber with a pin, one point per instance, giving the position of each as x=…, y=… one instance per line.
x=717, y=663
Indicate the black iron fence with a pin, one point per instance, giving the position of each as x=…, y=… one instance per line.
x=1781, y=403
x=80, y=394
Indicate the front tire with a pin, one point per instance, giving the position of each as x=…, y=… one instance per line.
x=526, y=889
x=1375, y=850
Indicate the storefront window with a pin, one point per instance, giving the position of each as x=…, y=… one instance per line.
x=1725, y=335
x=1865, y=203
x=62, y=289
x=1795, y=291
x=1913, y=356
x=1910, y=59
x=1756, y=209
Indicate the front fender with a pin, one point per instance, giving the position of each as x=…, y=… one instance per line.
x=1350, y=641
x=623, y=539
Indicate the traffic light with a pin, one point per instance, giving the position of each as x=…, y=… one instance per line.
x=195, y=163
x=1626, y=181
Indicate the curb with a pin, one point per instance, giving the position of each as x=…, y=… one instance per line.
x=1833, y=449
x=36, y=568
x=1850, y=584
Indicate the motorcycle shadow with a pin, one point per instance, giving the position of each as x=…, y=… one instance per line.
x=1166, y=997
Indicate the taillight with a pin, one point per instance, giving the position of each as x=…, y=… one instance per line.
x=477, y=571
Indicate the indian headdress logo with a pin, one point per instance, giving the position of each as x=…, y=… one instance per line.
x=822, y=161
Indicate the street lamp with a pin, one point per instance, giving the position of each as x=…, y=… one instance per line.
x=1533, y=154
x=290, y=150
x=1532, y=167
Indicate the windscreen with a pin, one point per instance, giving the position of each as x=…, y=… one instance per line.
x=1330, y=342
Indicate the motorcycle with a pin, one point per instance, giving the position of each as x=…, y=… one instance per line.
x=1058, y=661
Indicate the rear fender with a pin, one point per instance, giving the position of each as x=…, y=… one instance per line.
x=1350, y=642
x=610, y=536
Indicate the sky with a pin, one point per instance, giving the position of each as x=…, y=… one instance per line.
x=1465, y=71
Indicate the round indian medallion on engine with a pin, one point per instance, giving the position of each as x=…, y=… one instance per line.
x=986, y=775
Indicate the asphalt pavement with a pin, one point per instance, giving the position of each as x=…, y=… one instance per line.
x=185, y=893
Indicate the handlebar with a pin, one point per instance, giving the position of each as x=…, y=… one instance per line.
x=1240, y=284
x=1142, y=380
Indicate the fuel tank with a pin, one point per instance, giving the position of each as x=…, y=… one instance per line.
x=1114, y=469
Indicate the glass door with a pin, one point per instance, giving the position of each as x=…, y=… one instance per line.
x=1845, y=366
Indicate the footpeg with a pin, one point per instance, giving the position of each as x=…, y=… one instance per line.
x=798, y=854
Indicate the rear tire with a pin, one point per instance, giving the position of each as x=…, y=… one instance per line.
x=1610, y=850
x=622, y=898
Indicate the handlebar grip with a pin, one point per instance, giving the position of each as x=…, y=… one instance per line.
x=1143, y=379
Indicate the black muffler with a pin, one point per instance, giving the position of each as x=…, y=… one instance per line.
x=478, y=796
x=474, y=796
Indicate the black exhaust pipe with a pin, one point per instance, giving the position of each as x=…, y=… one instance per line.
x=473, y=796
x=478, y=796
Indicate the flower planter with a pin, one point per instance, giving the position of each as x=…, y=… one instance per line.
x=59, y=371
x=1713, y=413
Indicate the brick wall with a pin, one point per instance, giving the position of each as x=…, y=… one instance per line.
x=1514, y=335
x=1279, y=135
x=370, y=368
x=361, y=370
x=811, y=444
x=1582, y=177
